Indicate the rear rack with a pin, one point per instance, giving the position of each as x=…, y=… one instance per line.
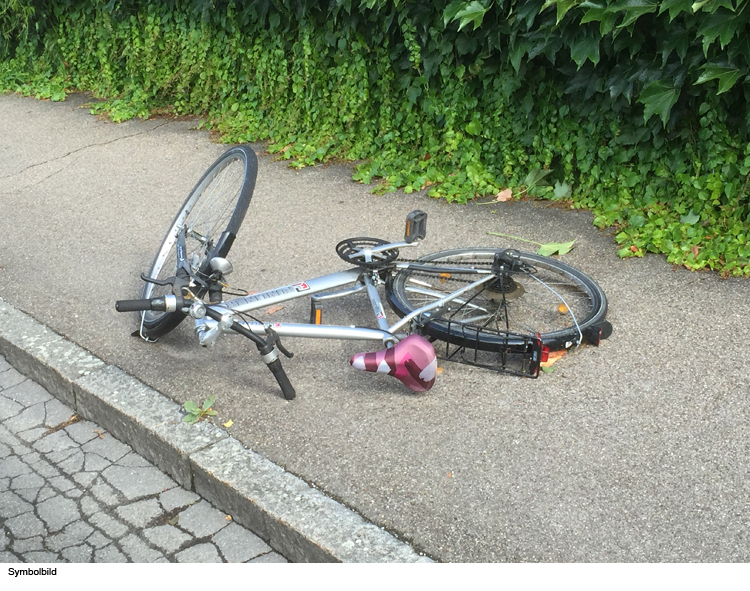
x=511, y=353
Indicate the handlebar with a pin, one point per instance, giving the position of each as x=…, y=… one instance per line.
x=167, y=303
x=283, y=380
x=266, y=348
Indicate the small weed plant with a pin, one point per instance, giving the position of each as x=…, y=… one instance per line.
x=197, y=413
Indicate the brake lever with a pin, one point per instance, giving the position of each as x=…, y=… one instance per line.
x=170, y=281
x=274, y=339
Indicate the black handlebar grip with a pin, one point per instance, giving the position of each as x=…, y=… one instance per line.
x=132, y=305
x=286, y=386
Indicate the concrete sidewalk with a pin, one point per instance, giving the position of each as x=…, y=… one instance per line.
x=70, y=492
x=634, y=451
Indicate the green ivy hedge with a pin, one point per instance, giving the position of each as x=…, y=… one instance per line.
x=635, y=109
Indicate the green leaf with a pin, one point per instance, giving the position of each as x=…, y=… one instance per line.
x=633, y=9
x=690, y=218
x=211, y=413
x=535, y=176
x=585, y=46
x=659, y=97
x=636, y=221
x=563, y=6
x=474, y=127
x=551, y=248
x=547, y=369
x=472, y=12
x=726, y=75
x=675, y=7
x=208, y=402
x=562, y=190
x=413, y=93
x=450, y=12
x=191, y=418
x=723, y=24
x=191, y=407
x=598, y=12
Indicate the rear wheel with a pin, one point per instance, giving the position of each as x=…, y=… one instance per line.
x=211, y=216
x=552, y=299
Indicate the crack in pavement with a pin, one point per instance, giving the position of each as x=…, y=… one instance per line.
x=86, y=147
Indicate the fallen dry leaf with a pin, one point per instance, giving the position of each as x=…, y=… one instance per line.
x=450, y=475
x=504, y=195
x=438, y=371
x=695, y=250
x=274, y=309
x=228, y=518
x=634, y=248
x=99, y=433
x=553, y=357
x=229, y=423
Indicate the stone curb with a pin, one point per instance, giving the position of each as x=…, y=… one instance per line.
x=299, y=521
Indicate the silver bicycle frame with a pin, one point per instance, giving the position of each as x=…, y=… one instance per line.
x=208, y=329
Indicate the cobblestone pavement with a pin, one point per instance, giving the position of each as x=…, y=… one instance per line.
x=70, y=492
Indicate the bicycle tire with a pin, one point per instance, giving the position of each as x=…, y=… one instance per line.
x=217, y=204
x=547, y=316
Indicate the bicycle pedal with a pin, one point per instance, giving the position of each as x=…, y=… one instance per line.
x=316, y=314
x=416, y=226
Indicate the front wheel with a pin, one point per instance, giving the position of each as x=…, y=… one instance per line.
x=211, y=217
x=549, y=298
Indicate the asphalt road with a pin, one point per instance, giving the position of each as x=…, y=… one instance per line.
x=635, y=451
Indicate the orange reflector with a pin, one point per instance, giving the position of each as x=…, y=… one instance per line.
x=318, y=316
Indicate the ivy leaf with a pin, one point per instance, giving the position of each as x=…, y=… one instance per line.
x=726, y=75
x=637, y=221
x=563, y=6
x=723, y=24
x=472, y=12
x=633, y=9
x=517, y=51
x=562, y=190
x=413, y=93
x=658, y=97
x=583, y=47
x=690, y=218
x=535, y=176
x=555, y=248
x=675, y=7
x=474, y=127
x=598, y=12
x=527, y=11
x=450, y=12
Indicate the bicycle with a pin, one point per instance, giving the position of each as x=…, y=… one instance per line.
x=499, y=309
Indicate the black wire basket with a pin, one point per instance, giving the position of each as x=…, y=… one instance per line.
x=510, y=353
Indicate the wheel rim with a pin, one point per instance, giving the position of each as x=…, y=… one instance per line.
x=532, y=306
x=205, y=215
